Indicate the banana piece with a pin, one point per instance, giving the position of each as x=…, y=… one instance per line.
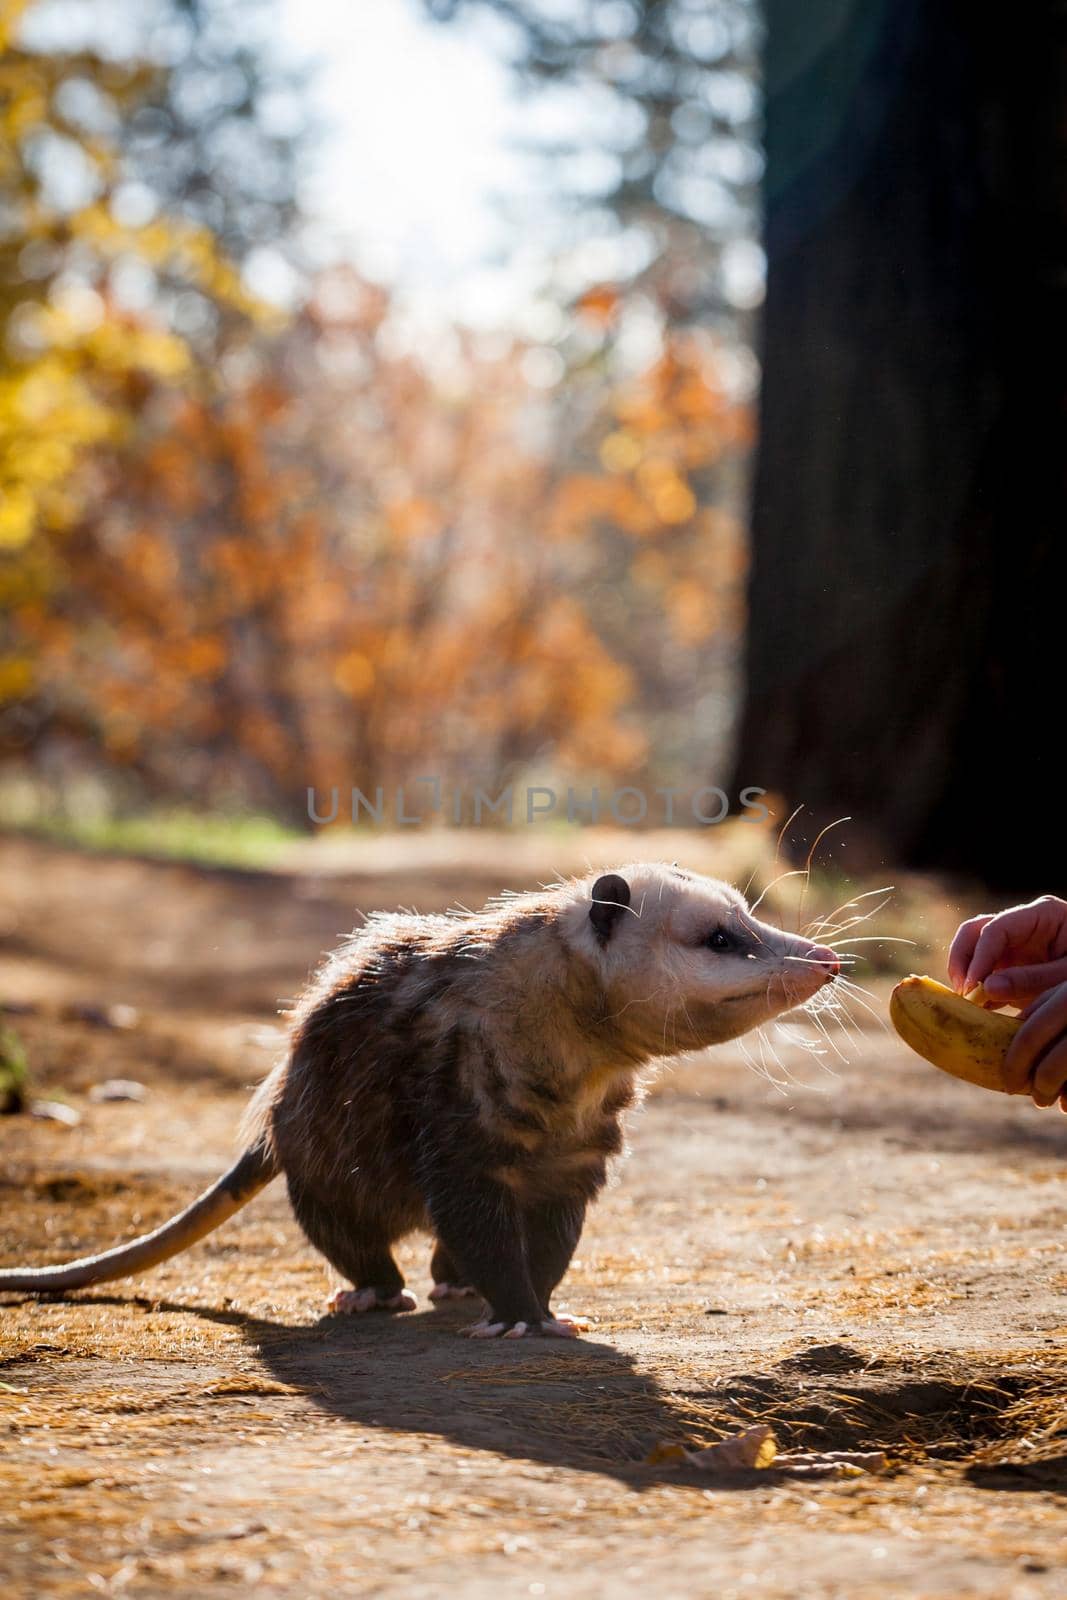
x=978, y=997
x=953, y=1033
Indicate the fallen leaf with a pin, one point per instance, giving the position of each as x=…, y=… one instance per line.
x=757, y=1449
x=750, y=1451
x=665, y=1452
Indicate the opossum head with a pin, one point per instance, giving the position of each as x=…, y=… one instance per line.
x=683, y=962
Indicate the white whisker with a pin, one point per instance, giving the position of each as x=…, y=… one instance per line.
x=770, y=1075
x=855, y=922
x=782, y=832
x=850, y=904
x=819, y=837
x=844, y=1019
x=795, y=872
x=816, y=1018
x=855, y=993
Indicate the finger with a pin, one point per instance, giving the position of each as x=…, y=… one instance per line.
x=1042, y=1026
x=1037, y=929
x=1016, y=985
x=1035, y=1005
x=1050, y=1079
x=995, y=941
x=962, y=948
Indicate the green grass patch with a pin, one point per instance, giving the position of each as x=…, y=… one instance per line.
x=239, y=839
x=14, y=1071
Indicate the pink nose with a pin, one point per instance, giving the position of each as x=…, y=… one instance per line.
x=826, y=958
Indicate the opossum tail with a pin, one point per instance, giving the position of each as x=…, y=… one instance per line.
x=251, y=1173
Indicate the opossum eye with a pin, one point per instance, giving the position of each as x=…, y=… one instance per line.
x=719, y=939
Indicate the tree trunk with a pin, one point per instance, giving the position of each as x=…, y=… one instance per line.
x=905, y=659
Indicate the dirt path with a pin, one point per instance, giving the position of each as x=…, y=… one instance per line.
x=870, y=1259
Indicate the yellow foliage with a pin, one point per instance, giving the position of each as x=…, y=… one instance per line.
x=354, y=675
x=15, y=678
x=620, y=451
x=67, y=362
x=11, y=13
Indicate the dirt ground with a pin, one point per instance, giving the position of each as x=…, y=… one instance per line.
x=869, y=1258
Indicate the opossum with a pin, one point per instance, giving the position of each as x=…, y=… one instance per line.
x=466, y=1074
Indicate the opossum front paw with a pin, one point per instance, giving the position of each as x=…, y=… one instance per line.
x=350, y=1302
x=452, y=1291
x=561, y=1325
x=489, y=1330
x=549, y=1327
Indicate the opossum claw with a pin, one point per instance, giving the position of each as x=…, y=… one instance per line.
x=452, y=1291
x=355, y=1301
x=489, y=1330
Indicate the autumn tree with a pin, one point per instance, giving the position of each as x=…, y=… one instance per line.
x=111, y=277
x=350, y=568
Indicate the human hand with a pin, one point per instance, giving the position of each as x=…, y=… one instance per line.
x=1036, y=1061
x=1016, y=955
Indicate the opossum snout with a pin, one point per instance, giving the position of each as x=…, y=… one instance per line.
x=809, y=969
x=827, y=959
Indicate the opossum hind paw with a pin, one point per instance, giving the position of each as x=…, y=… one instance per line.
x=350, y=1302
x=452, y=1291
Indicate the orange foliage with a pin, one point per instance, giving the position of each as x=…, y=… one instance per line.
x=345, y=570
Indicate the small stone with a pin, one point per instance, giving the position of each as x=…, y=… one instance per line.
x=123, y=1017
x=117, y=1089
x=97, y=1016
x=55, y=1111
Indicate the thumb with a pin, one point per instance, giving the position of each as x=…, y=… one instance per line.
x=1017, y=983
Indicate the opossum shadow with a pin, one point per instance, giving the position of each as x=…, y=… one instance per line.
x=578, y=1404
x=1037, y=1477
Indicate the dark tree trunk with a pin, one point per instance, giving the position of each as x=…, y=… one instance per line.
x=908, y=614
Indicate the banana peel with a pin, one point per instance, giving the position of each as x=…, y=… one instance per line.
x=953, y=1033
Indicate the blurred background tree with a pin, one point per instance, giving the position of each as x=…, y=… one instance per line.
x=906, y=611
x=655, y=137
x=906, y=532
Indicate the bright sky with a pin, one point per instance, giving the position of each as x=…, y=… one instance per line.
x=420, y=151
x=417, y=144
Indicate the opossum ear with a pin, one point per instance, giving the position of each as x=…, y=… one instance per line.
x=611, y=896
